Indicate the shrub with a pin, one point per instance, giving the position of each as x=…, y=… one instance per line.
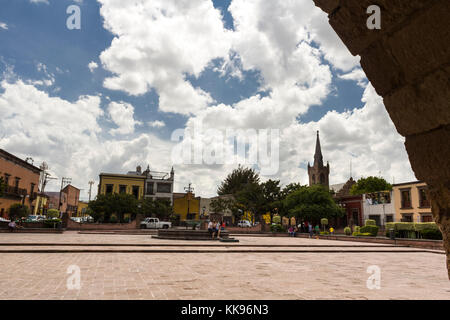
x=356, y=229
x=277, y=228
x=404, y=226
x=276, y=219
x=347, y=231
x=372, y=230
x=419, y=227
x=52, y=213
x=431, y=234
x=370, y=222
x=361, y=234
x=17, y=211
x=324, y=232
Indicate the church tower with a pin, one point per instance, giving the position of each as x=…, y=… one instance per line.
x=318, y=173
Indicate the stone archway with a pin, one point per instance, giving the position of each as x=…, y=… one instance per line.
x=408, y=63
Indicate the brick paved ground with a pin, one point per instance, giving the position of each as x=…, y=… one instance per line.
x=283, y=275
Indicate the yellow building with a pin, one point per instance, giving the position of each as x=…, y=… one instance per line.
x=81, y=210
x=411, y=202
x=122, y=183
x=181, y=201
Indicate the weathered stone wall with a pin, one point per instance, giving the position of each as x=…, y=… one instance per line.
x=408, y=63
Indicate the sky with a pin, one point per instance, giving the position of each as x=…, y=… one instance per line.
x=117, y=92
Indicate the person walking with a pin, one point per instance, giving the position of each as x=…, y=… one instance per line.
x=310, y=229
x=218, y=228
x=12, y=226
x=317, y=228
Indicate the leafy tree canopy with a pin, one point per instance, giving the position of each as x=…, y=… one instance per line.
x=237, y=180
x=116, y=204
x=18, y=210
x=159, y=208
x=370, y=184
x=312, y=204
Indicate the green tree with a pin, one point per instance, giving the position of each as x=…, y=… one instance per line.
x=272, y=196
x=52, y=213
x=237, y=180
x=312, y=204
x=159, y=208
x=18, y=210
x=221, y=205
x=251, y=198
x=370, y=184
x=117, y=204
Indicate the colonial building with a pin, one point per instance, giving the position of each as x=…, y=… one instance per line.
x=186, y=206
x=318, y=173
x=65, y=201
x=159, y=185
x=22, y=181
x=147, y=184
x=206, y=210
x=411, y=202
x=352, y=204
x=379, y=206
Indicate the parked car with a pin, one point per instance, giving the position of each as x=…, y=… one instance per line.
x=154, y=223
x=244, y=224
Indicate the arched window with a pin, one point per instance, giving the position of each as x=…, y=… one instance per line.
x=322, y=178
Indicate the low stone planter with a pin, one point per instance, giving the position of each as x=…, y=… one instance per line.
x=177, y=234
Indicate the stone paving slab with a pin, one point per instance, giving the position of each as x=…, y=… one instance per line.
x=74, y=237
x=223, y=276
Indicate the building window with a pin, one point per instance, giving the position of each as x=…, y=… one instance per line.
x=109, y=188
x=16, y=185
x=322, y=178
x=163, y=187
x=407, y=218
x=313, y=179
x=423, y=198
x=122, y=188
x=7, y=178
x=150, y=188
x=32, y=189
x=389, y=218
x=406, y=198
x=376, y=218
x=136, y=191
x=427, y=217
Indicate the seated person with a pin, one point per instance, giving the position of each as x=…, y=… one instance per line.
x=12, y=226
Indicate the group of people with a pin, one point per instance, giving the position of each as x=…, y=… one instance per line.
x=214, y=228
x=306, y=227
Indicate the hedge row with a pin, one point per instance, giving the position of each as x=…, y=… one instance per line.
x=425, y=230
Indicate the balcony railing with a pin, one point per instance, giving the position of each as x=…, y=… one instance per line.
x=15, y=191
x=424, y=203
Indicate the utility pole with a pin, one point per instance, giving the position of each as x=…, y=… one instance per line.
x=90, y=189
x=189, y=191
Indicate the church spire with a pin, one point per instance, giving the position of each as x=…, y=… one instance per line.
x=318, y=159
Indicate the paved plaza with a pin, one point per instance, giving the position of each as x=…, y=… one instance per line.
x=254, y=268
